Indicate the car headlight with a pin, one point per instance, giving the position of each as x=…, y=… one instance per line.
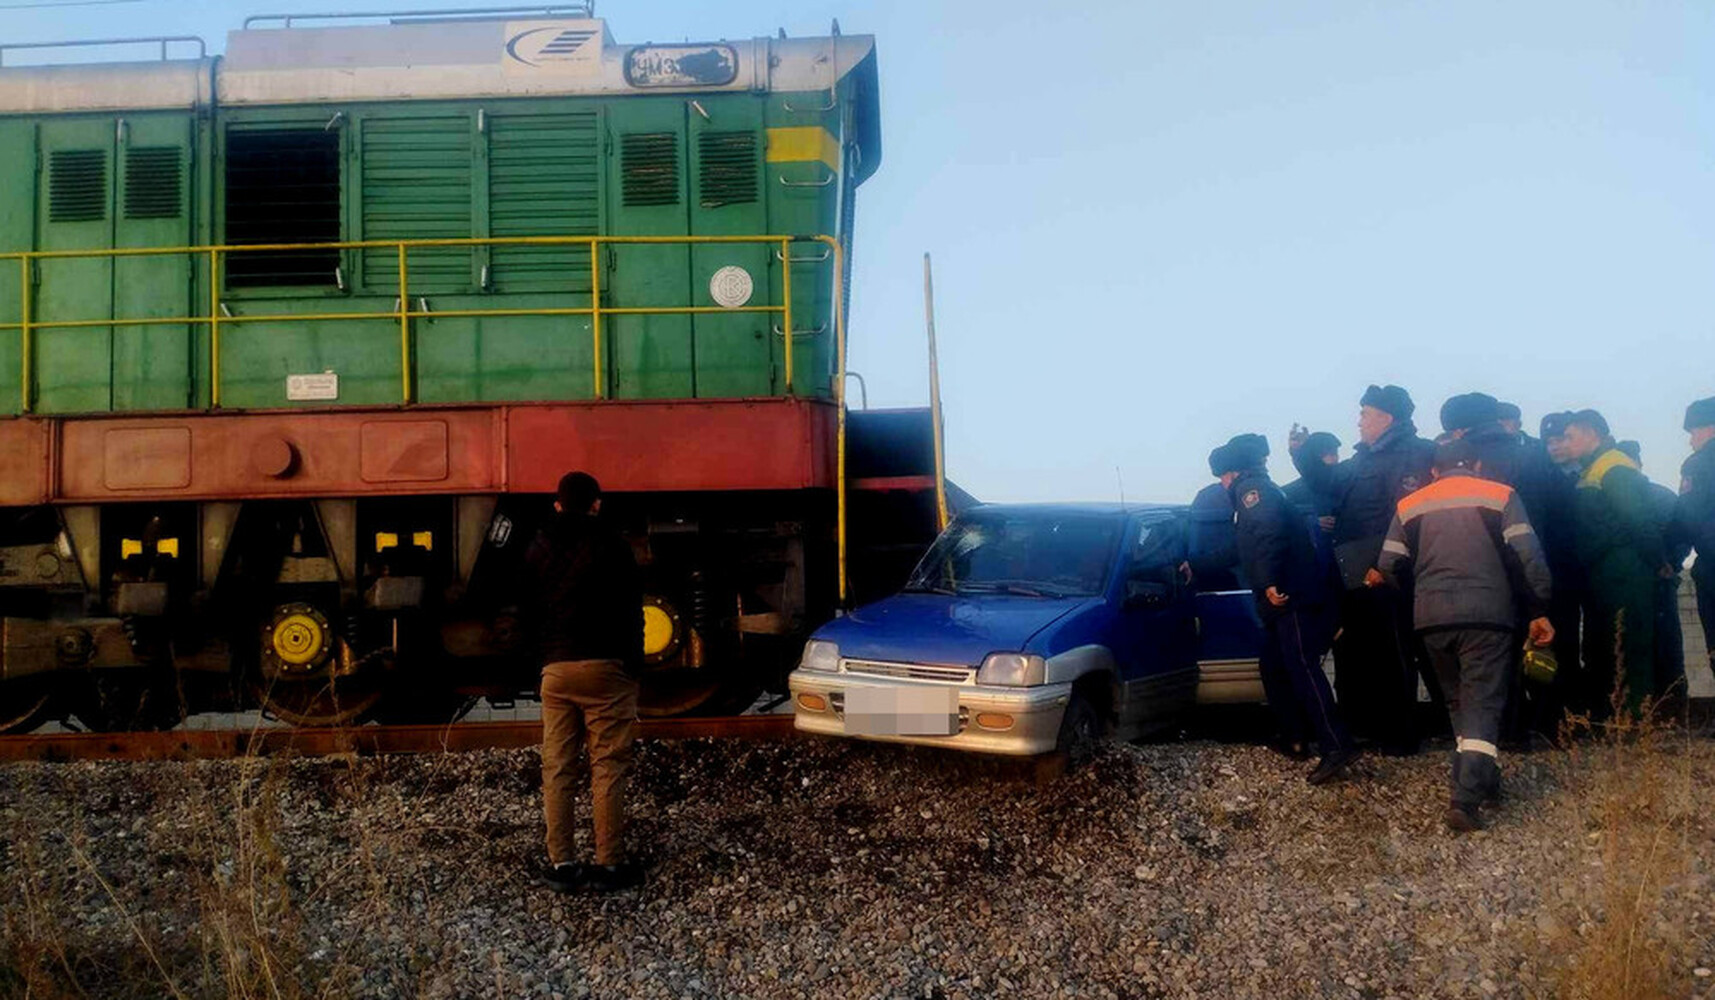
x=822, y=655
x=1013, y=670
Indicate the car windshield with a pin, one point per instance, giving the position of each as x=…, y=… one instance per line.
x=1032, y=554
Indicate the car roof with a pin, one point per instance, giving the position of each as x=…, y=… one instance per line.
x=1097, y=508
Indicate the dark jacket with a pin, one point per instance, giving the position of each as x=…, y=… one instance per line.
x=1364, y=490
x=1474, y=558
x=1274, y=546
x=1546, y=492
x=1615, y=517
x=1694, y=514
x=589, y=594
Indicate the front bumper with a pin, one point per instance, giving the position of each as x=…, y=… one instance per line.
x=1035, y=712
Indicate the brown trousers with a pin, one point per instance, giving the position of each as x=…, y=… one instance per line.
x=596, y=699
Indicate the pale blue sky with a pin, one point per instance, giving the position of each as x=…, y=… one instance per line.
x=1159, y=224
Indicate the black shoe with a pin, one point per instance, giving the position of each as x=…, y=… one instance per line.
x=614, y=878
x=565, y=877
x=1463, y=818
x=1291, y=751
x=1331, y=766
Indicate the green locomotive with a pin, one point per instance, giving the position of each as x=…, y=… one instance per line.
x=294, y=342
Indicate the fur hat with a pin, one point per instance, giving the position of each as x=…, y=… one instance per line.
x=1700, y=414
x=1243, y=453
x=1389, y=399
x=1470, y=410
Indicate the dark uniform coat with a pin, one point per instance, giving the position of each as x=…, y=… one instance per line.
x=1275, y=549
x=1364, y=491
x=1695, y=513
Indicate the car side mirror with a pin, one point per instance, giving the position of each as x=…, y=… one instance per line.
x=1147, y=593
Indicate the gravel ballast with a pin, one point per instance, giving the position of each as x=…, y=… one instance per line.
x=843, y=869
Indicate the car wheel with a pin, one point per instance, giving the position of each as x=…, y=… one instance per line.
x=1080, y=729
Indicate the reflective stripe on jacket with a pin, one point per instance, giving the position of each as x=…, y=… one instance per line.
x=1473, y=556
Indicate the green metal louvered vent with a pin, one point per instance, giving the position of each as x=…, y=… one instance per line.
x=153, y=182
x=416, y=186
x=77, y=185
x=727, y=168
x=544, y=179
x=649, y=164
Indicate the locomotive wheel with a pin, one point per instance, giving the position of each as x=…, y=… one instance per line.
x=700, y=691
x=307, y=677
x=119, y=701
x=26, y=703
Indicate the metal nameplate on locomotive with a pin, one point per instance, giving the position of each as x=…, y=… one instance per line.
x=681, y=66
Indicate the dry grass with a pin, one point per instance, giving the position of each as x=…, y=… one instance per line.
x=1639, y=801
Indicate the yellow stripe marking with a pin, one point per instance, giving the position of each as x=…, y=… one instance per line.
x=804, y=144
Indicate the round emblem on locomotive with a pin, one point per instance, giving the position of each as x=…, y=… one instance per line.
x=731, y=286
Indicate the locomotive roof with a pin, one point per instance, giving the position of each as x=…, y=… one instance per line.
x=419, y=59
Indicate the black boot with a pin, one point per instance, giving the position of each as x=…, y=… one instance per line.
x=1331, y=766
x=614, y=878
x=568, y=876
x=1463, y=817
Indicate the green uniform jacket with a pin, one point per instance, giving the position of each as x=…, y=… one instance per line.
x=1616, y=517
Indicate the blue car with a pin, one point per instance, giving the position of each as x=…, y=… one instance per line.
x=1030, y=627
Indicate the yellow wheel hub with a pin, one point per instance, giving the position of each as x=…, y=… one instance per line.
x=298, y=639
x=660, y=631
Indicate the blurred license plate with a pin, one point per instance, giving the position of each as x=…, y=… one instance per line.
x=902, y=711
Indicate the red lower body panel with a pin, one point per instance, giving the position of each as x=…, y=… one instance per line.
x=631, y=446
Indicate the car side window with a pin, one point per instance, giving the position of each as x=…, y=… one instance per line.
x=1157, y=550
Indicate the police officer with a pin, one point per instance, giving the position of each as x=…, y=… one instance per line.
x=1669, y=633
x=1553, y=431
x=1479, y=419
x=1619, y=543
x=1695, y=513
x=1378, y=687
x=1279, y=563
x=1476, y=561
x=1512, y=418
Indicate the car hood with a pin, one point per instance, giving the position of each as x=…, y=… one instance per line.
x=937, y=628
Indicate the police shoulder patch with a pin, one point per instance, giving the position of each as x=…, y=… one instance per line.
x=1409, y=483
x=1252, y=498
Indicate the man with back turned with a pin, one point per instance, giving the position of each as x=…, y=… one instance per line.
x=590, y=633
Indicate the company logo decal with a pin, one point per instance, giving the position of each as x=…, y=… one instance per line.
x=547, y=46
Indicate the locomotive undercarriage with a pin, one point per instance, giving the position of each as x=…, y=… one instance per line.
x=403, y=609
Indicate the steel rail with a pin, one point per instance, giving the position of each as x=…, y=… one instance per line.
x=221, y=744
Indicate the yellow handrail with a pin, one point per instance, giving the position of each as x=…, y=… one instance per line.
x=403, y=312
x=24, y=331
x=839, y=409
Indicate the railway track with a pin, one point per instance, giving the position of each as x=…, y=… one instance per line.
x=216, y=744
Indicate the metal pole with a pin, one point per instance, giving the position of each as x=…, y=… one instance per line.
x=214, y=329
x=935, y=398
x=404, y=328
x=24, y=330
x=786, y=295
x=840, y=414
x=595, y=311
